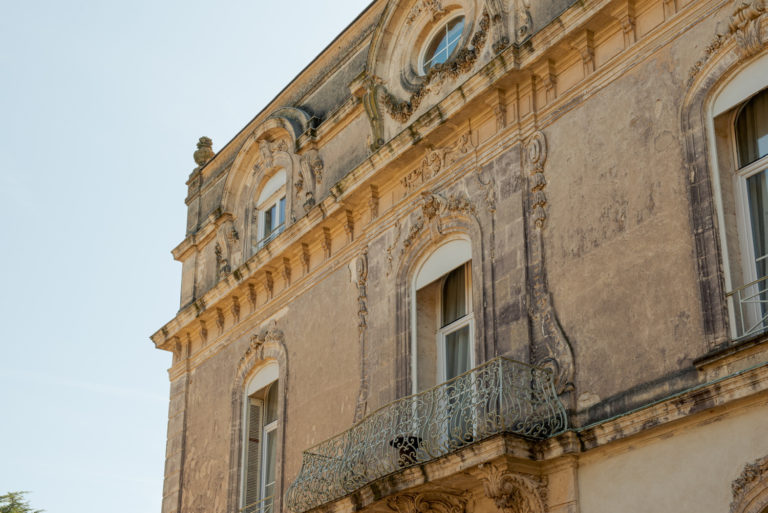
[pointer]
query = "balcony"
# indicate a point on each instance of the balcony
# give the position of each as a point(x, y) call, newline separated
point(749, 304)
point(501, 396)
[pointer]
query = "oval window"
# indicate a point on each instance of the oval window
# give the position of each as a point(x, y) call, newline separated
point(443, 43)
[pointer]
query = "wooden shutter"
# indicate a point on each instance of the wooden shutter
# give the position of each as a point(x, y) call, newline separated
point(253, 455)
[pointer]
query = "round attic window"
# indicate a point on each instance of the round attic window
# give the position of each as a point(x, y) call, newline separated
point(443, 43)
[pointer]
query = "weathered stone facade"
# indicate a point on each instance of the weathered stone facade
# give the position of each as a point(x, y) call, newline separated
point(580, 153)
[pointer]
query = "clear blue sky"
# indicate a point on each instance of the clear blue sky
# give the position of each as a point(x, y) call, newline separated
point(101, 105)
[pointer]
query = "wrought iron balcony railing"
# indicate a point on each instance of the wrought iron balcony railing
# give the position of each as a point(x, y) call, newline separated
point(750, 306)
point(501, 396)
point(265, 505)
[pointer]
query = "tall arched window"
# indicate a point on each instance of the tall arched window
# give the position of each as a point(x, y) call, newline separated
point(269, 209)
point(260, 420)
point(443, 334)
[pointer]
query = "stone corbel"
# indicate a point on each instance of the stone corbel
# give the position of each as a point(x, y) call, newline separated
point(269, 284)
point(547, 78)
point(366, 88)
point(349, 225)
point(625, 15)
point(286, 271)
point(326, 242)
point(235, 309)
point(584, 43)
point(373, 202)
point(499, 105)
point(513, 492)
point(305, 257)
point(252, 295)
point(220, 320)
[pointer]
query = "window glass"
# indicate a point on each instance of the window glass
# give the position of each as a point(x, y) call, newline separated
point(757, 194)
point(454, 296)
point(271, 413)
point(752, 130)
point(444, 43)
point(457, 357)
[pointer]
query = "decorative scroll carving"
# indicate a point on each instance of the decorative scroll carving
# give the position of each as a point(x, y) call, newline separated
point(550, 347)
point(523, 20)
point(391, 247)
point(433, 208)
point(401, 110)
point(235, 309)
point(204, 152)
point(752, 479)
point(513, 492)
point(434, 7)
point(269, 333)
point(443, 501)
point(222, 263)
point(361, 280)
point(435, 161)
point(743, 28)
point(498, 14)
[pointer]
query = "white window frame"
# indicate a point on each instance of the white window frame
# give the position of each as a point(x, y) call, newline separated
point(739, 89)
point(430, 38)
point(467, 320)
point(266, 377)
point(271, 194)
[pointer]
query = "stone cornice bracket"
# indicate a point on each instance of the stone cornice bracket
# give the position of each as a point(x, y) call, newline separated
point(366, 88)
point(624, 13)
point(437, 501)
point(750, 489)
point(513, 492)
point(550, 347)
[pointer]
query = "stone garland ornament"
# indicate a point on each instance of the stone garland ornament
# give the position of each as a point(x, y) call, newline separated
point(743, 28)
point(401, 110)
point(550, 347)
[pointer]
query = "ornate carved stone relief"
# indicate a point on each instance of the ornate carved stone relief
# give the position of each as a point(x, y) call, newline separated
point(498, 13)
point(222, 263)
point(401, 110)
point(743, 28)
point(433, 7)
point(269, 284)
point(442, 501)
point(550, 347)
point(433, 207)
point(361, 281)
point(436, 160)
point(235, 309)
point(220, 321)
point(513, 492)
point(252, 295)
point(305, 257)
point(750, 489)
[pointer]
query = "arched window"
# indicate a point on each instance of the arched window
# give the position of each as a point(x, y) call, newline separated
point(739, 130)
point(443, 334)
point(260, 420)
point(269, 209)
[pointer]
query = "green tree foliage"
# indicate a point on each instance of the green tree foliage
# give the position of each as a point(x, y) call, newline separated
point(13, 502)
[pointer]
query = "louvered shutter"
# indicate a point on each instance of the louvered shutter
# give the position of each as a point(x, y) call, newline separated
point(253, 456)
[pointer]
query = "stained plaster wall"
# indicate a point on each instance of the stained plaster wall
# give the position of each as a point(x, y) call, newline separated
point(320, 332)
point(619, 244)
point(685, 470)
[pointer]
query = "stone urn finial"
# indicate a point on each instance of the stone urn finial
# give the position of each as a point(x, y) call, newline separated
point(204, 152)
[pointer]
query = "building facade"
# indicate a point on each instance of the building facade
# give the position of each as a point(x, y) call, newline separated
point(485, 255)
